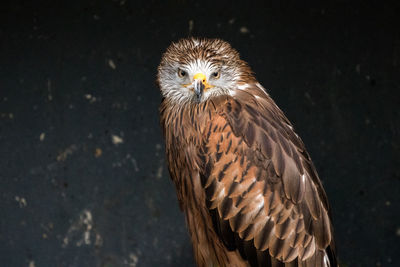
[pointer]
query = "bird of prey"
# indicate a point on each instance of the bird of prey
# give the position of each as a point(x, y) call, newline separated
point(248, 188)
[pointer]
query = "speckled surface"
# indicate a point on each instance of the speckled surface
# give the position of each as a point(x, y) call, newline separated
point(82, 171)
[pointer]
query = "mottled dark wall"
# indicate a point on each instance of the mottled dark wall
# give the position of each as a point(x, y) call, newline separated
point(82, 171)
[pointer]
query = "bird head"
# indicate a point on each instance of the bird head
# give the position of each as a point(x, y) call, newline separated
point(193, 70)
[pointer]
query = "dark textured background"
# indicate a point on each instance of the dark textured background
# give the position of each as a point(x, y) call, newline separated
point(75, 74)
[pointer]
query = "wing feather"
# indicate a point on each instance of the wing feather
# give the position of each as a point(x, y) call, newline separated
point(258, 177)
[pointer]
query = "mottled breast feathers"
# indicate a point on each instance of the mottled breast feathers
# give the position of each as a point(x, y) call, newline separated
point(260, 186)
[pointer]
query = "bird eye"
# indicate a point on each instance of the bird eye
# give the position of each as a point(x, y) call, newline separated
point(181, 73)
point(216, 74)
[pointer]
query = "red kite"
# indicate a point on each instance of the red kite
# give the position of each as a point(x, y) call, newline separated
point(248, 188)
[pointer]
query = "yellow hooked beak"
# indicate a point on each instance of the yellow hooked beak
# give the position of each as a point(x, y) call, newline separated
point(200, 84)
point(202, 78)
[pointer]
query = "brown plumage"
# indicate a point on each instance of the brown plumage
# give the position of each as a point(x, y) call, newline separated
point(247, 186)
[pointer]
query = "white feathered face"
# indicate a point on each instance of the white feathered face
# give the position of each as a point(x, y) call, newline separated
point(193, 70)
